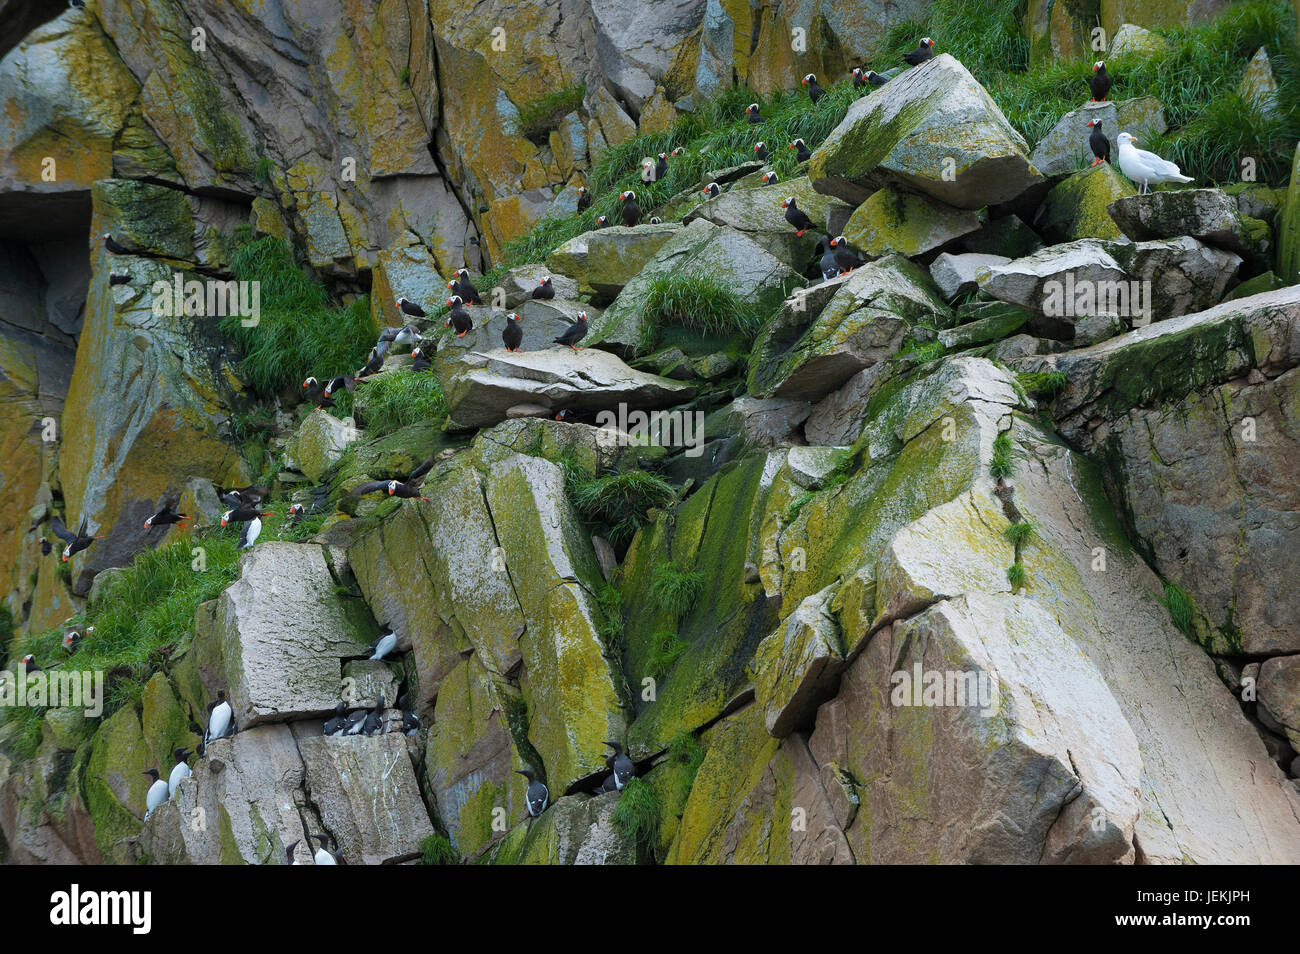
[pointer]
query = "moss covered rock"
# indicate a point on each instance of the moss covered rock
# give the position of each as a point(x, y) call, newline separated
point(893, 221)
point(1078, 207)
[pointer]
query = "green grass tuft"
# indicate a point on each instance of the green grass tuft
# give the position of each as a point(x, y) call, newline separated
point(666, 647)
point(675, 591)
point(1043, 383)
point(438, 850)
point(697, 302)
point(262, 169)
point(685, 750)
point(397, 399)
point(1002, 464)
point(618, 502)
point(1181, 609)
point(638, 813)
point(1017, 575)
point(1017, 534)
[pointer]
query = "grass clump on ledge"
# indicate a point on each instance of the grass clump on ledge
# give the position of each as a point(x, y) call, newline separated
point(438, 850)
point(1017, 575)
point(301, 332)
point(1042, 383)
point(637, 814)
point(1002, 465)
point(697, 302)
point(666, 647)
point(539, 116)
point(685, 752)
point(1181, 609)
point(396, 399)
point(674, 590)
point(620, 502)
point(1020, 533)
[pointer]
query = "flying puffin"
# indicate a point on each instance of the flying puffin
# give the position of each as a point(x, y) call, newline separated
point(751, 111)
point(761, 150)
point(247, 497)
point(242, 514)
point(76, 542)
point(921, 53)
point(113, 246)
point(165, 514)
point(512, 335)
point(537, 795)
point(221, 720)
point(801, 153)
point(631, 211)
point(712, 190)
point(409, 307)
point(323, 855)
point(1099, 83)
point(419, 362)
point(1146, 168)
point(179, 771)
point(584, 198)
point(829, 267)
point(601, 221)
point(795, 216)
point(622, 766)
point(458, 318)
point(398, 488)
point(157, 793)
point(574, 333)
point(401, 337)
point(844, 256)
point(769, 178)
point(1098, 143)
point(544, 291)
point(815, 92)
point(463, 287)
point(374, 364)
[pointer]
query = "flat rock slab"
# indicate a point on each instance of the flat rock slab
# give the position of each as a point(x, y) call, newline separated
point(1210, 215)
point(284, 633)
point(367, 795)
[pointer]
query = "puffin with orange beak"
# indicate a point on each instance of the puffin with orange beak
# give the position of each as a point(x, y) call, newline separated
point(458, 318)
point(815, 92)
point(544, 291)
point(463, 287)
point(76, 542)
point(801, 152)
point(165, 514)
point(512, 335)
point(631, 211)
point(398, 488)
point(796, 216)
point(1099, 83)
point(584, 198)
point(921, 53)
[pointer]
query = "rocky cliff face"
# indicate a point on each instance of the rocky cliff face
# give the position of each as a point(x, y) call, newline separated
point(905, 563)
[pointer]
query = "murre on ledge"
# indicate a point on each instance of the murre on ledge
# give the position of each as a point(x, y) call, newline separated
point(623, 767)
point(323, 855)
point(381, 647)
point(335, 725)
point(221, 721)
point(157, 793)
point(538, 796)
point(180, 770)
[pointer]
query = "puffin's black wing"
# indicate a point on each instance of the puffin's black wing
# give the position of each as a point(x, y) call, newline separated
point(81, 527)
point(420, 471)
point(62, 532)
point(369, 487)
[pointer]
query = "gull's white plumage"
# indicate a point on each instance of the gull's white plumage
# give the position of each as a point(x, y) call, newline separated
point(1146, 168)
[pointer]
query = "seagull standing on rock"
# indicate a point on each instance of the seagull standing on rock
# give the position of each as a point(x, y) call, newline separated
point(1146, 168)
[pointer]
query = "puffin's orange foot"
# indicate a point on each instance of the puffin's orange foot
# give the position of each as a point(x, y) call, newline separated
point(462, 334)
point(800, 233)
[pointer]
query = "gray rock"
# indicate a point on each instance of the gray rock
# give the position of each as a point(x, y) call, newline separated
point(955, 274)
point(799, 665)
point(1096, 328)
point(1065, 147)
point(1207, 214)
point(758, 422)
point(519, 283)
point(319, 444)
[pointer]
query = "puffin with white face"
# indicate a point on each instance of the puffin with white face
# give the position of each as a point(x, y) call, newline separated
point(1099, 83)
point(753, 115)
point(512, 336)
point(631, 211)
point(815, 92)
point(801, 152)
point(76, 542)
point(921, 53)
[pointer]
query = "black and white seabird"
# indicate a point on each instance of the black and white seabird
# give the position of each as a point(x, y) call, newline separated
point(655, 220)
point(381, 647)
point(712, 190)
point(323, 855)
point(29, 664)
point(829, 267)
point(180, 770)
point(544, 291)
point(623, 767)
point(291, 853)
point(221, 721)
point(921, 53)
point(114, 246)
point(243, 497)
point(419, 361)
point(249, 533)
point(354, 722)
point(760, 149)
point(631, 211)
point(46, 549)
point(72, 639)
point(406, 489)
point(119, 279)
point(165, 514)
point(242, 514)
point(795, 216)
point(537, 796)
point(410, 308)
point(753, 115)
point(512, 336)
point(601, 221)
point(464, 288)
point(815, 92)
point(679, 151)
point(845, 258)
point(801, 153)
point(574, 333)
point(1099, 83)
point(334, 725)
point(661, 166)
point(76, 542)
point(584, 198)
point(157, 793)
point(458, 319)
point(1098, 143)
point(769, 178)
point(375, 717)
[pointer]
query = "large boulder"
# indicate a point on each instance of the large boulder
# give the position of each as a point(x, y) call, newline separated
point(757, 212)
point(1065, 148)
point(699, 249)
point(1078, 207)
point(904, 223)
point(319, 443)
point(1210, 215)
point(935, 130)
point(866, 322)
point(616, 254)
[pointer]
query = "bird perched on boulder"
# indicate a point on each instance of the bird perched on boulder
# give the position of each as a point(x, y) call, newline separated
point(631, 211)
point(458, 319)
point(753, 115)
point(537, 796)
point(760, 149)
point(584, 198)
point(221, 721)
point(76, 542)
point(544, 291)
point(624, 768)
point(180, 770)
point(801, 152)
point(769, 178)
point(921, 53)
point(410, 308)
point(157, 793)
point(601, 221)
point(335, 724)
point(462, 286)
point(815, 92)
point(114, 247)
point(1099, 83)
point(574, 333)
point(1146, 168)
point(795, 216)
point(1098, 142)
point(712, 190)
point(419, 361)
point(165, 515)
point(323, 855)
point(249, 533)
point(405, 489)
point(844, 256)
point(829, 267)
point(512, 336)
point(375, 717)
point(862, 79)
